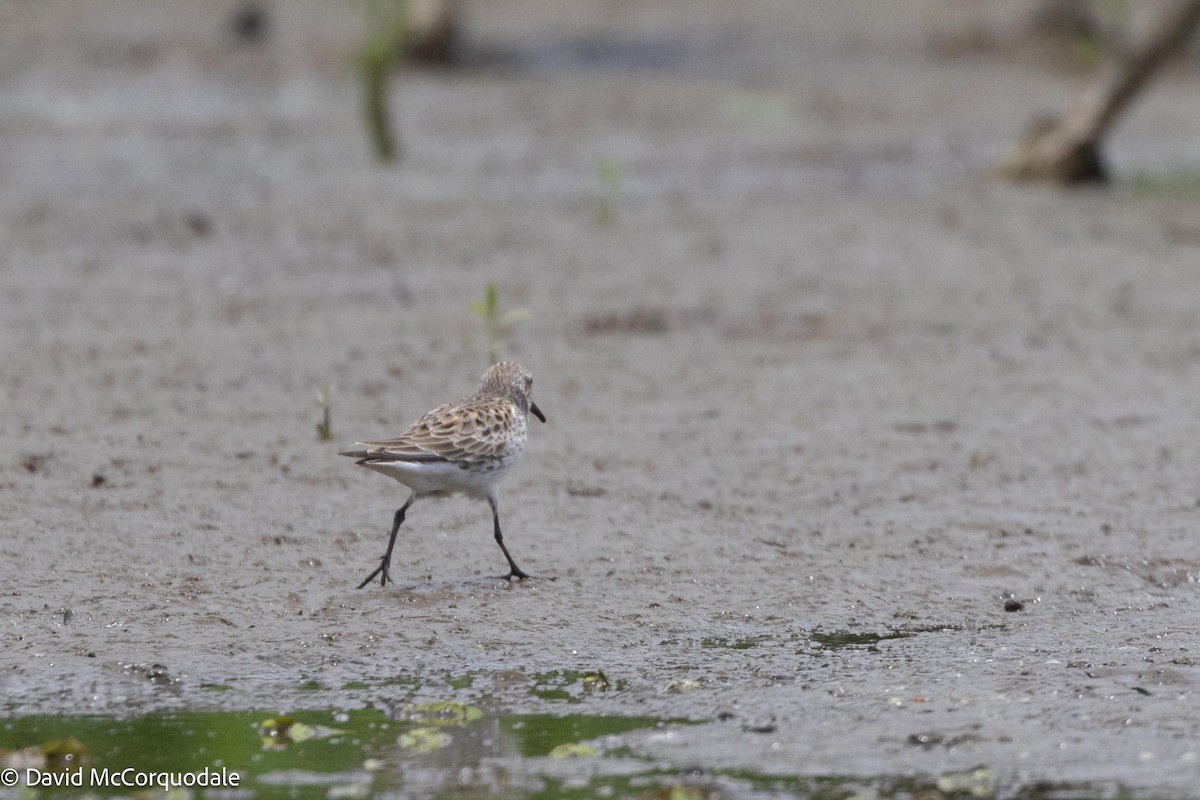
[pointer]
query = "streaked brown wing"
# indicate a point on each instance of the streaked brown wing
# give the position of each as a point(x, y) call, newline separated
point(464, 431)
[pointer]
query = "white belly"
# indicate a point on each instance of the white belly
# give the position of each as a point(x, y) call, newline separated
point(442, 477)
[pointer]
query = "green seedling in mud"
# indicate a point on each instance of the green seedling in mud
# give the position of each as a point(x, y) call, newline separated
point(387, 38)
point(325, 401)
point(497, 326)
point(608, 195)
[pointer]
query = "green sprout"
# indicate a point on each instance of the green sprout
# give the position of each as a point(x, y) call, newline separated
point(325, 401)
point(384, 49)
point(608, 195)
point(497, 325)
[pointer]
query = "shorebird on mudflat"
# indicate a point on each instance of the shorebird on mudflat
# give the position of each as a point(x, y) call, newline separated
point(465, 446)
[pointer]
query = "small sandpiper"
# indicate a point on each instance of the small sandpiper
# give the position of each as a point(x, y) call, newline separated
point(466, 446)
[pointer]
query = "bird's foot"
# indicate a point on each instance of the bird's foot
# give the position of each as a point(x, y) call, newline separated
point(381, 571)
point(521, 575)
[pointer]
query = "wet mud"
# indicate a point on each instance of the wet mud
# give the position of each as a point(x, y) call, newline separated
point(864, 473)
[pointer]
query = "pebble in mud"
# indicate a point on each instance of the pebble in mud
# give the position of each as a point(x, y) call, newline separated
point(1012, 604)
point(760, 725)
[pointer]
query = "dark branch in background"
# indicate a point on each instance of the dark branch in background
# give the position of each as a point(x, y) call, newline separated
point(1066, 149)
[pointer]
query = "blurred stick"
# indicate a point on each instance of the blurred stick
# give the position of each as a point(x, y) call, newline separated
point(1066, 150)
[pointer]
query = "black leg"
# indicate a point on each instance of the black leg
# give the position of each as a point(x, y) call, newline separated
point(516, 572)
point(385, 562)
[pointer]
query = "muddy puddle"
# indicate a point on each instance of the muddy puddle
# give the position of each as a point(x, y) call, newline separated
point(437, 749)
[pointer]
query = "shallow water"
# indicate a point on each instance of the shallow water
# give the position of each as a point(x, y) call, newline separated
point(436, 749)
point(314, 753)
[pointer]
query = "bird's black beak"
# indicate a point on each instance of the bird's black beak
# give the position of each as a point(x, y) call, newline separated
point(537, 412)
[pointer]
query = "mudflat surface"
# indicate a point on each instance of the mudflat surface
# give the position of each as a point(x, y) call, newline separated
point(822, 396)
